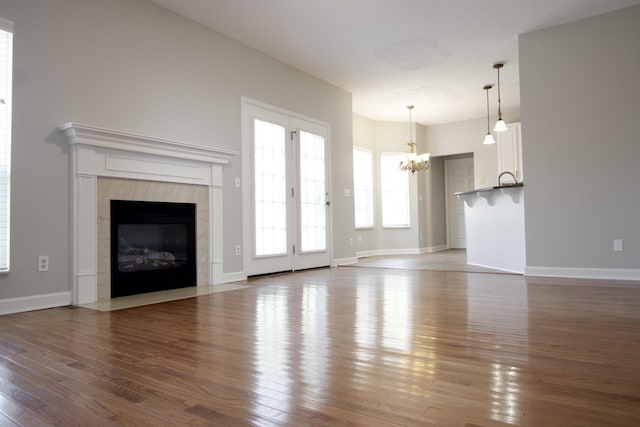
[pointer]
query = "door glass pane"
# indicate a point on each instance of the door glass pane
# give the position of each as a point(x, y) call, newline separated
point(270, 189)
point(313, 211)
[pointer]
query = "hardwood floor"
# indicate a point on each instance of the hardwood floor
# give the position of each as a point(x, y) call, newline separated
point(447, 260)
point(336, 347)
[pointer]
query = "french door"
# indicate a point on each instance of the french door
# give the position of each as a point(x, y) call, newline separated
point(288, 221)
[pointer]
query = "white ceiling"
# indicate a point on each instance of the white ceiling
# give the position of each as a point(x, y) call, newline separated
point(434, 54)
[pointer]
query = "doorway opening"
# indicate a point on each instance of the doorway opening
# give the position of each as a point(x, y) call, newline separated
point(459, 177)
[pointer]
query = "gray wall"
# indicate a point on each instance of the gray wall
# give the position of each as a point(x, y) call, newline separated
point(580, 105)
point(422, 179)
point(364, 137)
point(392, 137)
point(132, 66)
point(436, 205)
point(380, 137)
point(467, 137)
point(441, 140)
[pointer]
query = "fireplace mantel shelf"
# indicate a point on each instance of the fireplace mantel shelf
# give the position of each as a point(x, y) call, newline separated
point(105, 138)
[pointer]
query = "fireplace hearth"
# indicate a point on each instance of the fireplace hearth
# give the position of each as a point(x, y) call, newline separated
point(153, 246)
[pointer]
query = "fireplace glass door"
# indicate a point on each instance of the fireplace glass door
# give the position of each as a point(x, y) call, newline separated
point(152, 246)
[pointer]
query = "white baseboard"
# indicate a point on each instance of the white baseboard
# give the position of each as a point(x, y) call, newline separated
point(431, 249)
point(383, 252)
point(365, 254)
point(344, 261)
point(35, 302)
point(237, 276)
point(584, 273)
point(493, 267)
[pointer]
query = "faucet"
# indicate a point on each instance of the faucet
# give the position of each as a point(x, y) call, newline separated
point(515, 181)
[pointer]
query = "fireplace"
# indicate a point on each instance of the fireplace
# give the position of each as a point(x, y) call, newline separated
point(153, 246)
point(111, 165)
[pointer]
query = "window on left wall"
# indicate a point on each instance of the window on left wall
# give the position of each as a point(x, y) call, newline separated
point(363, 187)
point(6, 102)
point(394, 188)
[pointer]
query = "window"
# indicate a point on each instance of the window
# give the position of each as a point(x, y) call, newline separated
point(363, 187)
point(6, 71)
point(394, 185)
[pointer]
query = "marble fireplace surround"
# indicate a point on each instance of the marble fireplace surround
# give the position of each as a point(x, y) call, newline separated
point(100, 156)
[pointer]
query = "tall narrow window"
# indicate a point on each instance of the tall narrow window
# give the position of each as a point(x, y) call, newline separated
point(363, 187)
point(6, 72)
point(394, 185)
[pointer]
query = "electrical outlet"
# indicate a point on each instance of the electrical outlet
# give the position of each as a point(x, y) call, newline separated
point(350, 242)
point(43, 263)
point(238, 250)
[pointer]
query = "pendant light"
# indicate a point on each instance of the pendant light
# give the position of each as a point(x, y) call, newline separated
point(413, 161)
point(501, 126)
point(488, 139)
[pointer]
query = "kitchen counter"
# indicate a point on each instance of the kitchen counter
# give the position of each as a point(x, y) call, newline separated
point(497, 187)
point(494, 227)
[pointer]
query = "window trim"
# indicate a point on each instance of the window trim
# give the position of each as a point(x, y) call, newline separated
point(408, 193)
point(6, 129)
point(372, 206)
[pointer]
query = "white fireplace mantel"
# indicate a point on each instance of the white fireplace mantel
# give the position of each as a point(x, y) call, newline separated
point(97, 152)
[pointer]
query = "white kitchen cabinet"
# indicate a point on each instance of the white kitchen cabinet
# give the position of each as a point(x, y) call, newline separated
point(510, 152)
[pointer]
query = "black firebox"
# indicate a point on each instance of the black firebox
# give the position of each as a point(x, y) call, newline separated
point(153, 246)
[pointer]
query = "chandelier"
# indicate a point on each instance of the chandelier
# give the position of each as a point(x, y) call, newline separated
point(414, 162)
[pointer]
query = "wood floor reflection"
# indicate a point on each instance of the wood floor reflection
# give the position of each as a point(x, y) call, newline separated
point(334, 347)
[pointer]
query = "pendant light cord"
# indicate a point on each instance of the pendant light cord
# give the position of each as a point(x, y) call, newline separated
point(410, 107)
point(488, 121)
point(411, 143)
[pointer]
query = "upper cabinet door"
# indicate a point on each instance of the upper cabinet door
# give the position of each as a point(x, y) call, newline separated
point(510, 152)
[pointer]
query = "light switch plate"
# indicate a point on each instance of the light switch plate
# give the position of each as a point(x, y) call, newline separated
point(617, 245)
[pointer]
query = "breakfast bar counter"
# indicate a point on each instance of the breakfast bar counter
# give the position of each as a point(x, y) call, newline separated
point(494, 227)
